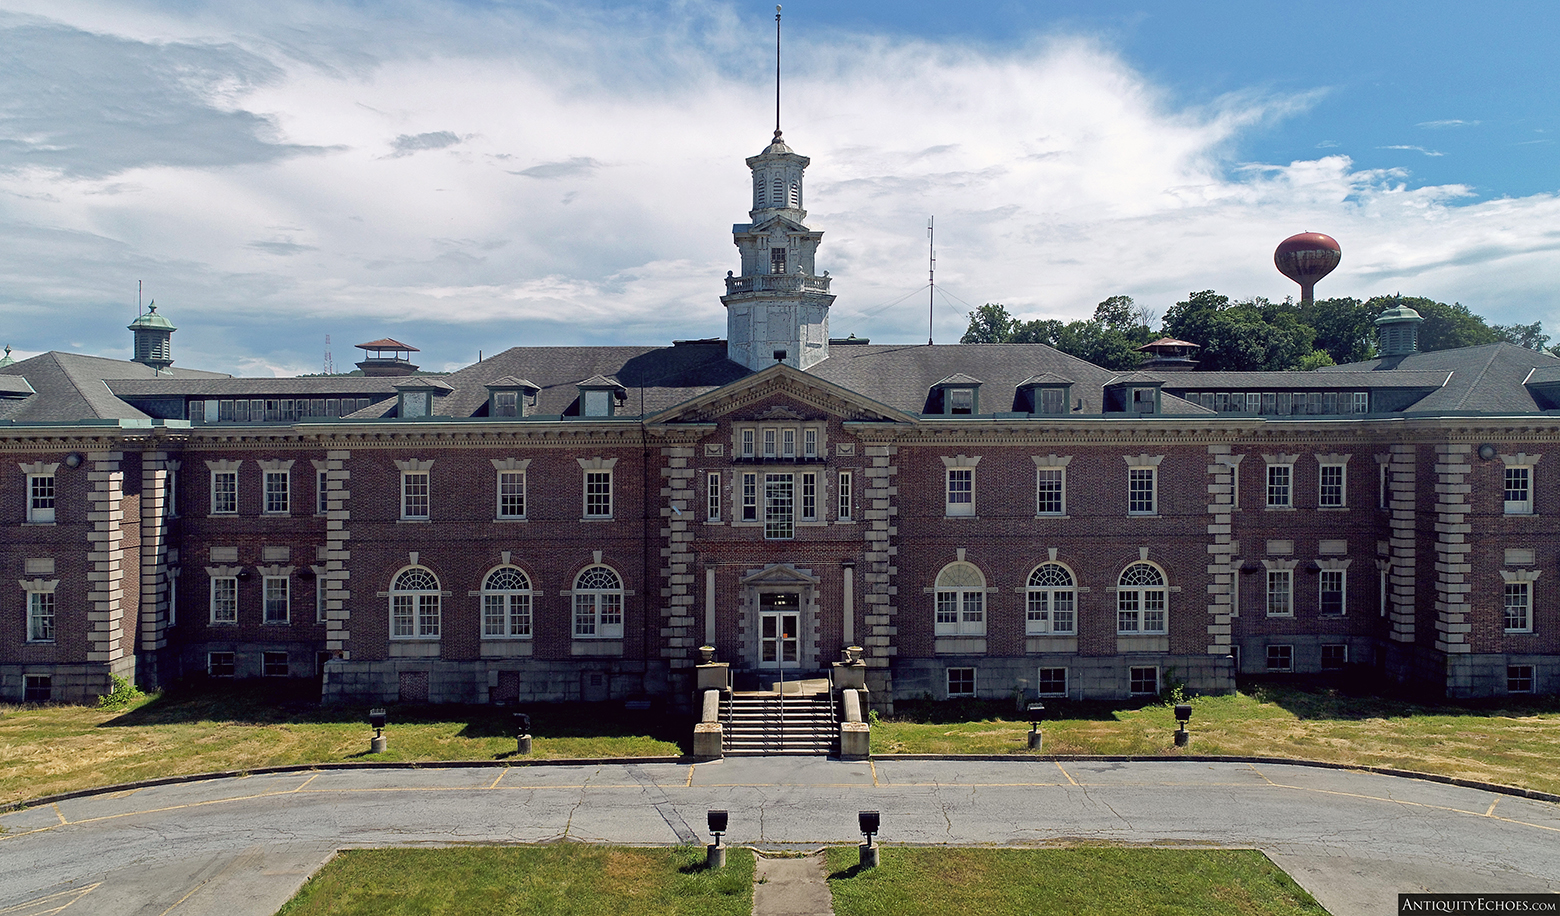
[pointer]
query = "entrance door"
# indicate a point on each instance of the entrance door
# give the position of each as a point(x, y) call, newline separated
point(779, 626)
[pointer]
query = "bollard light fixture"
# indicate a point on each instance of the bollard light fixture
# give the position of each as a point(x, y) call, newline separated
point(1183, 713)
point(1036, 715)
point(376, 721)
point(717, 823)
point(522, 723)
point(869, 822)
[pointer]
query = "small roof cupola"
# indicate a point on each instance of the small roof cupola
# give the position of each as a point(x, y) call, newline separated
point(153, 339)
point(386, 358)
point(1169, 355)
point(1397, 331)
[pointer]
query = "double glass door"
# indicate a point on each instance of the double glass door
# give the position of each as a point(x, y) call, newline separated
point(779, 626)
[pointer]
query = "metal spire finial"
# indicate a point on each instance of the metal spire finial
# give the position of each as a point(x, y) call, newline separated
point(777, 71)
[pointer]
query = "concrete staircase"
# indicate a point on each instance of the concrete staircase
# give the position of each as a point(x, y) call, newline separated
point(769, 722)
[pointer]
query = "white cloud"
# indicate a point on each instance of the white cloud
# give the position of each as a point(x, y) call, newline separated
point(1416, 149)
point(492, 178)
point(1442, 125)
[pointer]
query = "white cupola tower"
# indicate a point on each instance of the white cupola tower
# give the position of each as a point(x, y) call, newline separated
point(778, 303)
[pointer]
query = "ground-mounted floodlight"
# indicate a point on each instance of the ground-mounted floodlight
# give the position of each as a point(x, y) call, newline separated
point(376, 721)
point(715, 854)
point(522, 733)
point(1036, 716)
point(1183, 715)
point(869, 821)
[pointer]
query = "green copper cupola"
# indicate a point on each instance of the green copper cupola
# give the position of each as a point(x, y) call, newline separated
point(153, 339)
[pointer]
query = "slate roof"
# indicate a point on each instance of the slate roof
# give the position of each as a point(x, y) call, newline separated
point(1331, 380)
point(1483, 379)
point(227, 386)
point(71, 387)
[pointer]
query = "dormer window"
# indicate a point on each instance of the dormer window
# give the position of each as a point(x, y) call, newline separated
point(415, 397)
point(511, 398)
point(959, 396)
point(600, 396)
point(1045, 394)
point(1051, 400)
point(414, 404)
point(1143, 400)
point(506, 404)
point(598, 404)
point(1137, 393)
point(961, 400)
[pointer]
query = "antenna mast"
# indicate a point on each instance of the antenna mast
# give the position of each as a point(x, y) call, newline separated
point(777, 71)
point(330, 364)
point(931, 273)
point(138, 298)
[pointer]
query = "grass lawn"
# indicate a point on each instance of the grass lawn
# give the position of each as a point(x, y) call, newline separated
point(1080, 882)
point(44, 750)
point(1512, 742)
point(558, 880)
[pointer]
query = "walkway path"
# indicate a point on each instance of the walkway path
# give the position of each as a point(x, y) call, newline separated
point(241, 846)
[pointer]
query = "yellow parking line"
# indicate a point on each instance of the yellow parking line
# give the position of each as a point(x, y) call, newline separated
point(501, 774)
point(689, 783)
point(873, 765)
point(1065, 773)
point(306, 782)
point(74, 895)
point(1491, 812)
point(58, 813)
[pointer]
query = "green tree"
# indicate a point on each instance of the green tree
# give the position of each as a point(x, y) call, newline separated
point(1445, 327)
point(990, 323)
point(1241, 336)
point(1344, 328)
point(1531, 336)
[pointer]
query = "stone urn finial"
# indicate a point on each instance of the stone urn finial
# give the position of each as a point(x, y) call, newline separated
point(706, 654)
point(853, 655)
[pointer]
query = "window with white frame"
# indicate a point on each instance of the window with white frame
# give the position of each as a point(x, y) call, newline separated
point(961, 682)
point(321, 492)
point(1360, 402)
point(961, 601)
point(511, 494)
point(40, 498)
point(712, 497)
point(1332, 493)
point(1143, 681)
point(277, 594)
point(748, 447)
point(1050, 491)
point(506, 604)
point(1280, 483)
point(40, 612)
point(224, 492)
point(1280, 592)
point(1280, 658)
point(1518, 617)
point(1333, 592)
point(415, 487)
point(320, 590)
point(415, 604)
point(598, 604)
point(598, 494)
point(809, 497)
point(276, 492)
point(809, 443)
point(1052, 600)
point(1143, 485)
point(1051, 682)
point(1519, 489)
point(844, 511)
point(750, 497)
point(1141, 601)
point(771, 439)
point(224, 599)
point(960, 491)
point(787, 443)
point(779, 507)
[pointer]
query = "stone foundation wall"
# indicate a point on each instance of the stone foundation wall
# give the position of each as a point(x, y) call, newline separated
point(1088, 677)
point(70, 683)
point(489, 681)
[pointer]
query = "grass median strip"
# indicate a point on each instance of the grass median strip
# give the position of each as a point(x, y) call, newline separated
point(563, 879)
point(1088, 881)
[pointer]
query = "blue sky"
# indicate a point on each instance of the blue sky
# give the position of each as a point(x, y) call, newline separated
point(472, 176)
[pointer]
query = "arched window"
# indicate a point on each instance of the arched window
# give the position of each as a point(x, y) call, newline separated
point(1052, 601)
point(414, 604)
point(796, 194)
point(1140, 600)
point(598, 604)
point(758, 192)
point(506, 604)
point(961, 601)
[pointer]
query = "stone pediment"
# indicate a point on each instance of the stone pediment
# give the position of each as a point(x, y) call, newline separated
point(812, 397)
point(768, 225)
point(780, 575)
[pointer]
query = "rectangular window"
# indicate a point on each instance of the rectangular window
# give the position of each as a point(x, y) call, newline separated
point(961, 612)
point(809, 443)
point(1381, 487)
point(1049, 492)
point(809, 497)
point(511, 494)
point(750, 497)
point(770, 442)
point(273, 664)
point(779, 507)
point(1234, 486)
point(1279, 478)
point(1143, 681)
point(506, 615)
point(747, 443)
point(777, 260)
point(220, 664)
point(788, 443)
point(1519, 490)
point(40, 498)
point(40, 617)
point(1332, 493)
point(1519, 678)
point(598, 403)
point(712, 498)
point(171, 494)
point(1361, 402)
point(1053, 401)
point(961, 682)
point(1329, 402)
point(1052, 682)
point(847, 480)
point(961, 400)
point(321, 492)
point(37, 688)
point(224, 599)
point(1049, 611)
point(1142, 487)
point(277, 598)
point(224, 492)
point(414, 494)
point(1518, 604)
point(506, 403)
point(1280, 658)
point(598, 494)
point(1280, 583)
point(1332, 592)
point(319, 600)
point(276, 486)
point(961, 491)
point(1334, 656)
